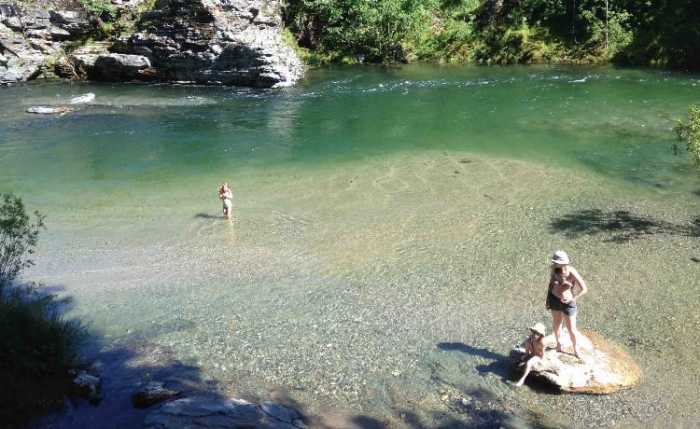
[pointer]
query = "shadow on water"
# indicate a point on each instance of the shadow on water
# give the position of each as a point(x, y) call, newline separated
point(619, 226)
point(122, 369)
point(125, 366)
point(486, 408)
point(499, 365)
point(206, 216)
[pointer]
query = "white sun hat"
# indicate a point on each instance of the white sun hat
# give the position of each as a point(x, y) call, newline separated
point(560, 257)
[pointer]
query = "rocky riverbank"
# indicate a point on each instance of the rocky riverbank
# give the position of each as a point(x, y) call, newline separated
point(207, 42)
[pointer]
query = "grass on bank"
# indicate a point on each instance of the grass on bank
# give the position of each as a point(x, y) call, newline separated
point(37, 346)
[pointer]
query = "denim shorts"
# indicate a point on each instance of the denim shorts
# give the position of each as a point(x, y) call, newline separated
point(556, 305)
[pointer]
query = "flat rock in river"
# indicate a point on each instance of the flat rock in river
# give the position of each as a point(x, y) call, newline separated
point(48, 110)
point(603, 367)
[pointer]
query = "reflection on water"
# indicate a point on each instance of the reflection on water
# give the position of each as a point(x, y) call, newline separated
point(391, 233)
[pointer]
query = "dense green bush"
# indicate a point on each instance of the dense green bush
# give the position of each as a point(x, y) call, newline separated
point(37, 346)
point(666, 32)
point(370, 30)
point(447, 33)
point(503, 31)
point(18, 236)
point(688, 132)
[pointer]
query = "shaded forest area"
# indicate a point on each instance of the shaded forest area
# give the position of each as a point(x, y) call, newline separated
point(635, 32)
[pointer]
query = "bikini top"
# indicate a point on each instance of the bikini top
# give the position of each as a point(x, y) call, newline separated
point(567, 283)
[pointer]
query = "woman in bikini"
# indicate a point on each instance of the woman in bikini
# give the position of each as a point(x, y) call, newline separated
point(561, 299)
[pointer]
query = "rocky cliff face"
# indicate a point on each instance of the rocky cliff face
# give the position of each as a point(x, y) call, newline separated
point(228, 42)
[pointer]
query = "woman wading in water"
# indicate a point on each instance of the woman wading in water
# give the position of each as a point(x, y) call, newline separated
point(561, 299)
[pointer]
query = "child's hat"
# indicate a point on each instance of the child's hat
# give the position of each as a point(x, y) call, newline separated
point(539, 328)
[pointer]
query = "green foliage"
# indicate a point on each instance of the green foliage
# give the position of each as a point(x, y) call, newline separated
point(107, 29)
point(371, 30)
point(446, 34)
point(688, 132)
point(507, 31)
point(37, 347)
point(665, 32)
point(18, 237)
point(608, 29)
point(620, 34)
point(37, 342)
point(543, 12)
point(448, 40)
point(98, 7)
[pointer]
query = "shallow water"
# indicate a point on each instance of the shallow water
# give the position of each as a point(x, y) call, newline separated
point(391, 235)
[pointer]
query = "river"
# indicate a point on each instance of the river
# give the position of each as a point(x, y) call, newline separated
point(390, 243)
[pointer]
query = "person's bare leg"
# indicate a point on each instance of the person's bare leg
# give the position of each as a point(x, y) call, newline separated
point(528, 366)
point(573, 333)
point(557, 317)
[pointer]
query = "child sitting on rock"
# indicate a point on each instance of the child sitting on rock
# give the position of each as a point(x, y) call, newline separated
point(534, 350)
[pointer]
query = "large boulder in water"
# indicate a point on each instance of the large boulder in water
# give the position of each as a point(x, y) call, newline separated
point(603, 367)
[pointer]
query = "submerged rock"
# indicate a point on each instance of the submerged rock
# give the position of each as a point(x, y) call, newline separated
point(81, 99)
point(222, 413)
point(603, 367)
point(48, 110)
point(88, 387)
point(152, 393)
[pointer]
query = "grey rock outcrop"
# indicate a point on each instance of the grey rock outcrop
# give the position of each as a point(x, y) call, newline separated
point(226, 42)
point(25, 39)
point(603, 367)
point(215, 42)
point(223, 414)
point(111, 67)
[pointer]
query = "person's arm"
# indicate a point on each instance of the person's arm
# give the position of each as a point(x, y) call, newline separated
point(549, 290)
point(581, 283)
point(540, 347)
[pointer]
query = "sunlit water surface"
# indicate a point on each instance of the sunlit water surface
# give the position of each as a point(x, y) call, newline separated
point(391, 236)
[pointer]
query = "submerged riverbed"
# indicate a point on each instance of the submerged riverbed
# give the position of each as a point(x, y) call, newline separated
point(391, 237)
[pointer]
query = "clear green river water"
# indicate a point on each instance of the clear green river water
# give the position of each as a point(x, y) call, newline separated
point(390, 243)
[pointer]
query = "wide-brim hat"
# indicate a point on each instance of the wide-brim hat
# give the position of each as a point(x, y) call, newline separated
point(560, 257)
point(539, 328)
